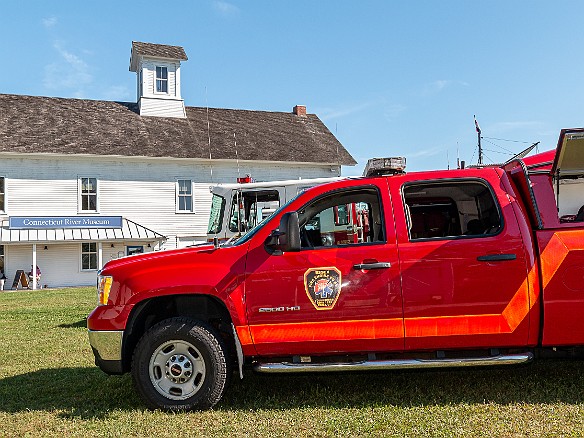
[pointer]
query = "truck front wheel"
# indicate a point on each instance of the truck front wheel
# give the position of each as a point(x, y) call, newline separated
point(180, 365)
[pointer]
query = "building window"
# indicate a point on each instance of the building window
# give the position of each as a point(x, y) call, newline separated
point(131, 250)
point(89, 256)
point(2, 194)
point(88, 194)
point(161, 79)
point(184, 196)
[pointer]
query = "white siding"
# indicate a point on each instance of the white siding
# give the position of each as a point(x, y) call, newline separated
point(159, 107)
point(149, 74)
point(142, 190)
point(59, 264)
point(172, 80)
point(176, 81)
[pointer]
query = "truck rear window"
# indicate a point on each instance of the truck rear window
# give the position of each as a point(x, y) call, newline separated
point(451, 209)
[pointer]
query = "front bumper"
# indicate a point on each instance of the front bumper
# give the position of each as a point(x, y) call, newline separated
point(107, 349)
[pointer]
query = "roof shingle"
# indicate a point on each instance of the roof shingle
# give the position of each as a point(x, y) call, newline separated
point(31, 124)
point(155, 51)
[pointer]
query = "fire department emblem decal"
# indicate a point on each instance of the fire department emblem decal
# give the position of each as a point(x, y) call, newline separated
point(323, 287)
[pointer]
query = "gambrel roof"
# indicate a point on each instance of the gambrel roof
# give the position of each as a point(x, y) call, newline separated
point(31, 124)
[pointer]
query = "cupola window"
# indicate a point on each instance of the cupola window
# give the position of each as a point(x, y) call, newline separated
point(161, 79)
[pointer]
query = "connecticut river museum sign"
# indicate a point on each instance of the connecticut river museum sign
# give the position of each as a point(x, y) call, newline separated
point(53, 222)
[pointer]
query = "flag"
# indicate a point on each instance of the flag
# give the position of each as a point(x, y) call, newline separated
point(478, 128)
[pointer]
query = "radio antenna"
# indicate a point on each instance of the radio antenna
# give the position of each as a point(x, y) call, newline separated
point(209, 136)
point(215, 238)
point(236, 155)
point(338, 155)
point(239, 195)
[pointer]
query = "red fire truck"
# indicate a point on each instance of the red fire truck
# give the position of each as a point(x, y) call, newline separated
point(455, 268)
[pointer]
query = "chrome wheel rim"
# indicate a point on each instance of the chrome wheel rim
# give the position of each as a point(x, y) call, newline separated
point(177, 370)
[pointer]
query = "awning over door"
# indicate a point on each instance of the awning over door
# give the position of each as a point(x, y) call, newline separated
point(128, 231)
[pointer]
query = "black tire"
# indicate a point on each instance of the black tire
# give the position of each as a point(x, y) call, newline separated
point(181, 365)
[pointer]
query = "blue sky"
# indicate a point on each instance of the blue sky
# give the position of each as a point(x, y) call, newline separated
point(388, 78)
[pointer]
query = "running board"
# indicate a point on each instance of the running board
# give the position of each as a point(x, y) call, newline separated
point(367, 365)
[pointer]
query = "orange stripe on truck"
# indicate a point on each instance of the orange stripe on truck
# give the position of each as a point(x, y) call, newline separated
point(328, 331)
point(514, 313)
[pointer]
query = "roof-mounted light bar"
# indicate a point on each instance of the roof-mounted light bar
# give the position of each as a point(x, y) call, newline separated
point(385, 166)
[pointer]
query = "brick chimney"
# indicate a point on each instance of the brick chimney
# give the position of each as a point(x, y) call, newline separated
point(299, 110)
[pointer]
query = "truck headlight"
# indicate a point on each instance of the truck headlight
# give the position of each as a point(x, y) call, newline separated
point(104, 284)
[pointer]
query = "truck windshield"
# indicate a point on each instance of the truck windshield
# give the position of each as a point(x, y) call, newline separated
point(216, 217)
point(251, 207)
point(260, 225)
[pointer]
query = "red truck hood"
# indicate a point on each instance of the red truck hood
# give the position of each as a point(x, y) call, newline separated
point(155, 255)
point(201, 269)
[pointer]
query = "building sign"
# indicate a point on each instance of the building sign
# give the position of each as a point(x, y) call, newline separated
point(53, 222)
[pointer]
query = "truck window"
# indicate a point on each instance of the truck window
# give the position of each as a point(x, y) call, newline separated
point(216, 217)
point(451, 209)
point(342, 214)
point(248, 208)
point(342, 218)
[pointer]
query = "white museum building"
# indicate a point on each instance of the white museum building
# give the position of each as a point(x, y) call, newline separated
point(86, 181)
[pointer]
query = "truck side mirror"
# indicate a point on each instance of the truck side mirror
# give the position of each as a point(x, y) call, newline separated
point(287, 236)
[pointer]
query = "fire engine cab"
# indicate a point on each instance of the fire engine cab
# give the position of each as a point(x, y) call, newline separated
point(237, 208)
point(394, 270)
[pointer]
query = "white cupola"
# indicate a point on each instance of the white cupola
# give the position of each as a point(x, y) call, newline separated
point(157, 68)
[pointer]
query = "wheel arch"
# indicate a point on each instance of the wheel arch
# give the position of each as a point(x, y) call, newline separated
point(150, 312)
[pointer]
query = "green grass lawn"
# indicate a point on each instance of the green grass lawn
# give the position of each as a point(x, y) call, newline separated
point(50, 387)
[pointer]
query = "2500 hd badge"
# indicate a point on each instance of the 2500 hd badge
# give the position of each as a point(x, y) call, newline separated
point(278, 309)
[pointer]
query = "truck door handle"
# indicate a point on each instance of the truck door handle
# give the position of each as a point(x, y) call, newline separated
point(378, 265)
point(496, 257)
